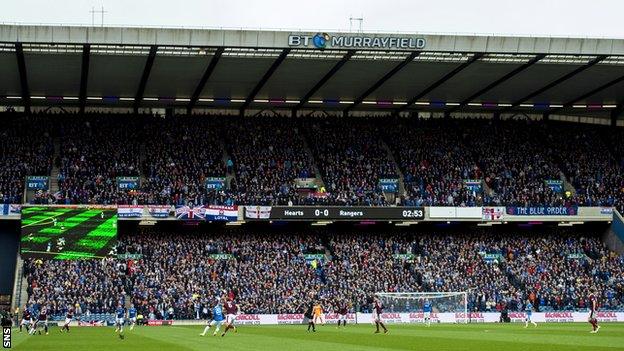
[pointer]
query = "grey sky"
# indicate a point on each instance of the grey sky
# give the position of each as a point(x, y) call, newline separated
point(593, 18)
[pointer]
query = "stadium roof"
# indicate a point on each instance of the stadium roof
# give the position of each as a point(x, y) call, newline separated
point(244, 69)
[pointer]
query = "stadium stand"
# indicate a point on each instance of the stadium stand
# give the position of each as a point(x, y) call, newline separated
point(351, 158)
point(268, 154)
point(91, 158)
point(274, 271)
point(435, 160)
point(26, 149)
point(362, 172)
point(94, 284)
point(179, 155)
point(516, 163)
point(590, 166)
point(512, 159)
point(549, 267)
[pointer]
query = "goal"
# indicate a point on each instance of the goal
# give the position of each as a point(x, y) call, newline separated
point(455, 303)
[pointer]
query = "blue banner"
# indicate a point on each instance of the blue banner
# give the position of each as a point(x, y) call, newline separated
point(129, 211)
point(555, 185)
point(128, 183)
point(473, 184)
point(37, 183)
point(389, 185)
point(491, 257)
point(216, 183)
point(543, 211)
point(8, 209)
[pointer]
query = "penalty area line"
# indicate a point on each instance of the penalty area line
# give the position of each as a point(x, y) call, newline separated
point(41, 220)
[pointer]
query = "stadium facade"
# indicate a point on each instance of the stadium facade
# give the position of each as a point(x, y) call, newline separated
point(145, 71)
point(299, 73)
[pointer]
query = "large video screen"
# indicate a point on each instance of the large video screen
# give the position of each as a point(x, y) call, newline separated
point(66, 233)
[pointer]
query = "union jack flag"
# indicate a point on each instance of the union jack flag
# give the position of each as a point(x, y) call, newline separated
point(186, 213)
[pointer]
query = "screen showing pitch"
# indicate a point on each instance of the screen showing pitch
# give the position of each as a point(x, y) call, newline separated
point(65, 233)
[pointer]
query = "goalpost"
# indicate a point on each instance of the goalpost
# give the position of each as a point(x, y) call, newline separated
point(441, 302)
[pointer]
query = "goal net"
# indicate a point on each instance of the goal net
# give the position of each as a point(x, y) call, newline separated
point(455, 303)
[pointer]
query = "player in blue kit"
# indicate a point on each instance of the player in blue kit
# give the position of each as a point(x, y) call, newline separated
point(427, 309)
point(120, 318)
point(132, 314)
point(217, 319)
point(529, 311)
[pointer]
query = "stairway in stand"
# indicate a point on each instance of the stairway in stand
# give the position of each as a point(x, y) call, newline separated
point(20, 292)
point(54, 186)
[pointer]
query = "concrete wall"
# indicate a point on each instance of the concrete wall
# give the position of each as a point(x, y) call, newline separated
point(614, 237)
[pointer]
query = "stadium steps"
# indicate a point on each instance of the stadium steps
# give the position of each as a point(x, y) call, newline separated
point(486, 188)
point(397, 169)
point(511, 277)
point(54, 186)
point(319, 180)
point(142, 158)
point(20, 292)
point(231, 175)
point(567, 186)
point(329, 250)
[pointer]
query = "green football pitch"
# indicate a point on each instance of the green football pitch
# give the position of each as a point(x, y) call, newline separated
point(481, 337)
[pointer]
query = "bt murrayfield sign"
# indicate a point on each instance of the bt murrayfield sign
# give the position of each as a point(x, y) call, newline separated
point(324, 40)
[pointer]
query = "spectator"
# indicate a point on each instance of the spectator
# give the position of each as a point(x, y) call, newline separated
point(275, 271)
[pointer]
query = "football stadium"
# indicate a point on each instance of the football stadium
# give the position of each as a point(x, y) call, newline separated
point(198, 189)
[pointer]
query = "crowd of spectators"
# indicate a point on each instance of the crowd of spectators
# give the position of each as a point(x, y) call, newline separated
point(562, 272)
point(268, 155)
point(26, 149)
point(362, 265)
point(590, 165)
point(351, 157)
point(180, 154)
point(614, 139)
point(517, 160)
point(616, 147)
point(174, 275)
point(436, 163)
point(96, 285)
point(94, 151)
point(439, 162)
point(267, 272)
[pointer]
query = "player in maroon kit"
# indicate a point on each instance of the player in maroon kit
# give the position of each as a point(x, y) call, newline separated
point(42, 321)
point(231, 311)
point(593, 309)
point(343, 309)
point(27, 320)
point(377, 311)
point(68, 318)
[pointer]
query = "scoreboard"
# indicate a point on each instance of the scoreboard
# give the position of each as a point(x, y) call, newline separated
point(343, 213)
